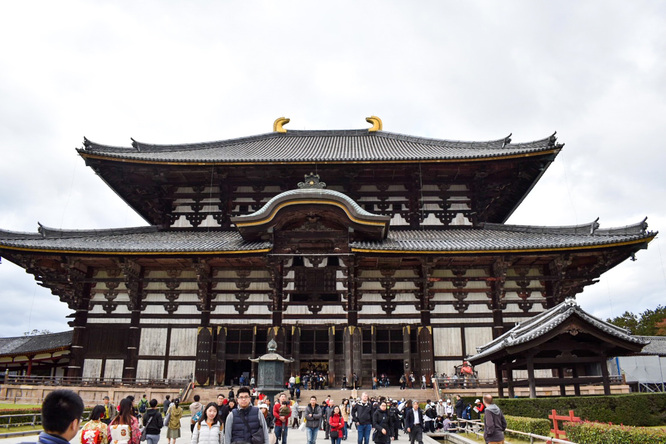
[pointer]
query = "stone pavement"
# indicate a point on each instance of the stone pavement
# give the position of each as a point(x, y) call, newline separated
point(295, 436)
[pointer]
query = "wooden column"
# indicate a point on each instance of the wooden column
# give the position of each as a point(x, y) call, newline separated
point(134, 282)
point(563, 387)
point(351, 348)
point(221, 356)
point(509, 380)
point(576, 383)
point(352, 293)
point(497, 304)
point(426, 357)
point(276, 268)
point(500, 382)
point(296, 349)
point(530, 377)
point(605, 375)
point(331, 356)
point(407, 350)
point(202, 370)
point(78, 299)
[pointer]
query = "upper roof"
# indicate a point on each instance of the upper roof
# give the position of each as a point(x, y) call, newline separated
point(33, 344)
point(325, 146)
point(545, 322)
point(488, 239)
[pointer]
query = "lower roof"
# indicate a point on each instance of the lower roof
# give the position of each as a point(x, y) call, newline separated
point(23, 345)
point(490, 238)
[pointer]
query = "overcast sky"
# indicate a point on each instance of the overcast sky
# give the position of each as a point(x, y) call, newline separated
point(181, 72)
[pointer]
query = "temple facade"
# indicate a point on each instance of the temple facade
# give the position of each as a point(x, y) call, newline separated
point(358, 251)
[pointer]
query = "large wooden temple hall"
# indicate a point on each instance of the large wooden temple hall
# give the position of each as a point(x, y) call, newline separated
point(359, 251)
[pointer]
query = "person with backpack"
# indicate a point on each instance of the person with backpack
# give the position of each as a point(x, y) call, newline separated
point(143, 404)
point(153, 422)
point(195, 408)
point(208, 429)
point(429, 417)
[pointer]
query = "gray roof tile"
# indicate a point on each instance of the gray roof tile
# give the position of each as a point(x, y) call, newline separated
point(321, 146)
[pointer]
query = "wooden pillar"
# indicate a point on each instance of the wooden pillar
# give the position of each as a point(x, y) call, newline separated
point(202, 367)
point(563, 387)
point(351, 348)
point(79, 301)
point(373, 356)
point(498, 376)
point(331, 356)
point(276, 268)
point(426, 358)
point(497, 305)
point(352, 293)
point(296, 349)
point(509, 380)
point(530, 377)
point(134, 274)
point(221, 356)
point(605, 375)
point(576, 383)
point(407, 350)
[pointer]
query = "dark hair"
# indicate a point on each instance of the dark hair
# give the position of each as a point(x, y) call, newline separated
point(243, 390)
point(204, 417)
point(126, 413)
point(197, 398)
point(167, 397)
point(97, 412)
point(59, 409)
point(221, 395)
point(231, 401)
point(131, 398)
point(176, 402)
point(313, 397)
point(153, 403)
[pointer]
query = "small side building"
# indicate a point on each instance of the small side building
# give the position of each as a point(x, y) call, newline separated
point(44, 355)
point(574, 345)
point(645, 371)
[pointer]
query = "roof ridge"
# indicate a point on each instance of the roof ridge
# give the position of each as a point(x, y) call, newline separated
point(49, 232)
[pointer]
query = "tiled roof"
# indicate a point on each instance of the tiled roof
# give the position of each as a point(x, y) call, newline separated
point(32, 344)
point(546, 322)
point(495, 237)
point(321, 146)
point(492, 237)
point(657, 345)
point(130, 240)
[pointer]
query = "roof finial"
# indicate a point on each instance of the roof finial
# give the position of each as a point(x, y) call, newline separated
point(376, 123)
point(277, 125)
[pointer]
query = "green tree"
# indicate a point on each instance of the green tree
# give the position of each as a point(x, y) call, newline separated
point(648, 323)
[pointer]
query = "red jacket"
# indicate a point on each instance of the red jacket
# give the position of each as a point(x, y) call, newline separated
point(337, 423)
point(276, 415)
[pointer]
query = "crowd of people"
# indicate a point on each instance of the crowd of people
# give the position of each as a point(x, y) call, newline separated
point(247, 417)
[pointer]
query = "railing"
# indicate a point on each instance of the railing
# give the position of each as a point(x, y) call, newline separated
point(97, 382)
point(27, 419)
point(475, 426)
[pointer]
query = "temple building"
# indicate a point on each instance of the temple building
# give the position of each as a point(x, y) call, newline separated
point(358, 251)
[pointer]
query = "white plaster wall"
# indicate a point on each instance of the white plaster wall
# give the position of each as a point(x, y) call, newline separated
point(476, 337)
point(183, 342)
point(153, 342)
point(149, 369)
point(113, 369)
point(92, 368)
point(446, 341)
point(180, 369)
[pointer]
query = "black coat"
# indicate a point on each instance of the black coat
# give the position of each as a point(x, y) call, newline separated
point(409, 418)
point(381, 421)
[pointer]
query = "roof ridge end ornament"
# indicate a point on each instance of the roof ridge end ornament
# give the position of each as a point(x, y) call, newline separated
point(507, 140)
point(279, 122)
point(312, 181)
point(376, 124)
point(594, 226)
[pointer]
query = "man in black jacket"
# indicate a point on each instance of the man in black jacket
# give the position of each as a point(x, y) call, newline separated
point(460, 406)
point(414, 423)
point(362, 417)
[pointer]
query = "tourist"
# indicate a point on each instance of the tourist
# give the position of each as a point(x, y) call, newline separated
point(345, 410)
point(61, 417)
point(195, 408)
point(143, 404)
point(95, 431)
point(336, 425)
point(295, 414)
point(494, 423)
point(268, 416)
point(312, 420)
point(460, 406)
point(448, 408)
point(125, 426)
point(382, 425)
point(110, 411)
point(167, 403)
point(429, 416)
point(414, 423)
point(175, 413)
point(245, 423)
point(394, 418)
point(222, 408)
point(281, 414)
point(153, 422)
point(208, 428)
point(362, 417)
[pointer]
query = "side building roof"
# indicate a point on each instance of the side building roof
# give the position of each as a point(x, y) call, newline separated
point(22, 345)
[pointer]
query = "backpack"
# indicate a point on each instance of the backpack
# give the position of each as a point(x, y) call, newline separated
point(430, 412)
point(142, 405)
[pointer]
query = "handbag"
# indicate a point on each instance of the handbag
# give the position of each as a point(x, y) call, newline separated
point(167, 418)
point(334, 434)
point(144, 431)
